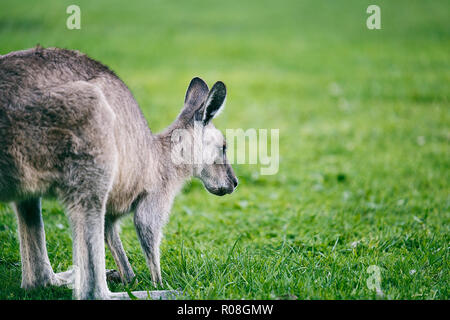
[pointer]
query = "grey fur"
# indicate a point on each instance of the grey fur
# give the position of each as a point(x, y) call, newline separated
point(70, 128)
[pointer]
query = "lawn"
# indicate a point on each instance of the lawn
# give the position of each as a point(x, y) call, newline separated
point(364, 121)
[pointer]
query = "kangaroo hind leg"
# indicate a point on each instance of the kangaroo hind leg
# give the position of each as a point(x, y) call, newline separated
point(36, 268)
point(86, 206)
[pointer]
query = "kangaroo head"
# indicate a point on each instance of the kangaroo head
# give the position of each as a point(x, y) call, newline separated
point(206, 144)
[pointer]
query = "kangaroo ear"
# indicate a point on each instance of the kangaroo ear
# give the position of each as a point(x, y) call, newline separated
point(196, 93)
point(215, 101)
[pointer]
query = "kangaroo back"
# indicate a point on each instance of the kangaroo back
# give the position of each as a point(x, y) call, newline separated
point(58, 105)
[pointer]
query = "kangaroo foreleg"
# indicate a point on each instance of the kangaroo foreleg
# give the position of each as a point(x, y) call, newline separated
point(115, 246)
point(149, 220)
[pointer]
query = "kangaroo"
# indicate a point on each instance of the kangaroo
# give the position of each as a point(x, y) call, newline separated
point(71, 129)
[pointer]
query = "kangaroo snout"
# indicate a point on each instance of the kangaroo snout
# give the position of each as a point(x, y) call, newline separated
point(221, 190)
point(232, 184)
point(235, 182)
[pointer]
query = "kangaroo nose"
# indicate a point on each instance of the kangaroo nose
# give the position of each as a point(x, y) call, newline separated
point(235, 182)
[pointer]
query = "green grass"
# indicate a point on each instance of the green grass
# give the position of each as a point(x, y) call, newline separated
point(364, 142)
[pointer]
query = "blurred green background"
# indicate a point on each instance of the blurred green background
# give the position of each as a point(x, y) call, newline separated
point(364, 142)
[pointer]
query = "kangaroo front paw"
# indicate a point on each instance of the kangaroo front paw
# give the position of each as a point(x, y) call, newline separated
point(113, 275)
